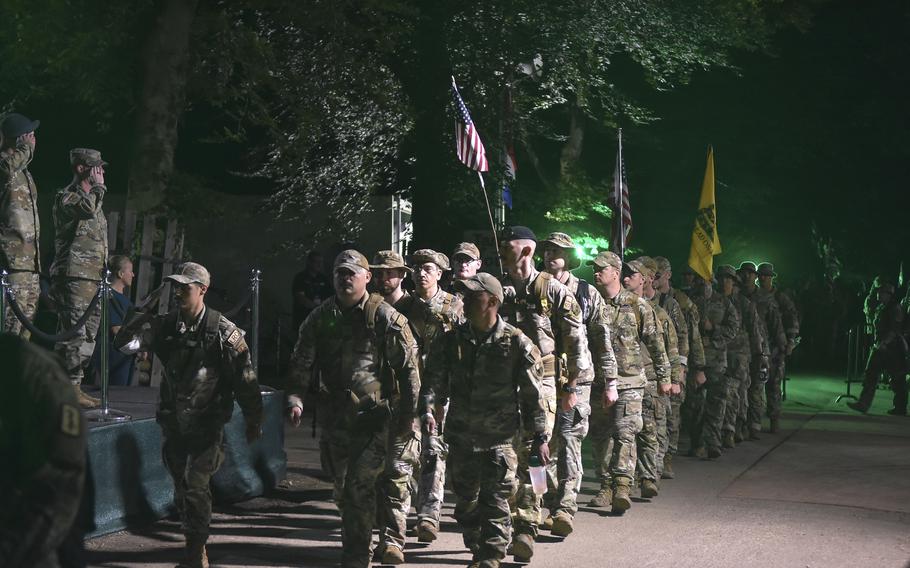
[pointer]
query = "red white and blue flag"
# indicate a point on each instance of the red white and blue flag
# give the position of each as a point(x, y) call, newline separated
point(622, 210)
point(467, 139)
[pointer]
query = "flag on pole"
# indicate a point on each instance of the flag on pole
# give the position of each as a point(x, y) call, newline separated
point(705, 241)
point(511, 168)
point(467, 140)
point(622, 211)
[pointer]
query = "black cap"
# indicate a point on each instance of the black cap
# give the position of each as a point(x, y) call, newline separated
point(15, 125)
point(517, 233)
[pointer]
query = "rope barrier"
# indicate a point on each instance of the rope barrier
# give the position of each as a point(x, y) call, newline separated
point(68, 334)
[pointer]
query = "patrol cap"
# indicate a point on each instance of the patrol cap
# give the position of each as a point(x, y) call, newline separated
point(467, 249)
point(423, 256)
point(352, 260)
point(650, 264)
point(563, 241)
point(15, 125)
point(517, 233)
point(663, 264)
point(86, 157)
point(389, 259)
point(766, 269)
point(747, 267)
point(482, 281)
point(638, 266)
point(604, 259)
point(725, 271)
point(191, 273)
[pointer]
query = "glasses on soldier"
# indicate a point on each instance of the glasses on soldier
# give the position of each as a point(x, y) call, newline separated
point(428, 268)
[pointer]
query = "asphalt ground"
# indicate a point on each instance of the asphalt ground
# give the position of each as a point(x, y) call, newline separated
point(831, 489)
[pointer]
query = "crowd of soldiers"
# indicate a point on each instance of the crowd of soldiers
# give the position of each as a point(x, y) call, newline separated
point(493, 378)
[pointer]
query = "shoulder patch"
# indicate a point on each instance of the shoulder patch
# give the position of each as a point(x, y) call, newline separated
point(69, 198)
point(232, 335)
point(70, 423)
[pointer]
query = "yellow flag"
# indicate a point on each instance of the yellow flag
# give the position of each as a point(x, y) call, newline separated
point(705, 242)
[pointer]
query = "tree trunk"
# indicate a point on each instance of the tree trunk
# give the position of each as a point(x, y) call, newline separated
point(571, 151)
point(165, 58)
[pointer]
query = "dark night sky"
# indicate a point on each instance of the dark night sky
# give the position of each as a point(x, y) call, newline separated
point(813, 133)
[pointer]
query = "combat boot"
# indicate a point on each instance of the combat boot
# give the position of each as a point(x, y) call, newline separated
point(753, 435)
point(858, 406)
point(700, 453)
point(426, 531)
point(85, 400)
point(621, 499)
point(738, 437)
point(668, 468)
point(195, 555)
point(898, 412)
point(546, 524)
point(562, 524)
point(392, 555)
point(522, 547)
point(729, 442)
point(648, 488)
point(603, 498)
point(775, 425)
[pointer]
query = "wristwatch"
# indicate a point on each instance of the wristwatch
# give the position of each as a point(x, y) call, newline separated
point(570, 389)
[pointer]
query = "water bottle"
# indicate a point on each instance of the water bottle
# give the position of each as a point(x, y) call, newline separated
point(538, 475)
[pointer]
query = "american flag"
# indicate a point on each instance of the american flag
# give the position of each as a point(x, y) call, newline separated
point(467, 139)
point(622, 212)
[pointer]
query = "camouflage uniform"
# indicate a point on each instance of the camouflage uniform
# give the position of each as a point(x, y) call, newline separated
point(888, 355)
point(657, 444)
point(494, 385)
point(81, 253)
point(633, 326)
point(43, 436)
point(207, 364)
point(707, 414)
point(362, 364)
point(548, 313)
point(19, 232)
point(778, 342)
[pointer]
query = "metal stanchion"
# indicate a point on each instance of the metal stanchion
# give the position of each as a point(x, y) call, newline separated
point(4, 283)
point(105, 413)
point(852, 344)
point(255, 279)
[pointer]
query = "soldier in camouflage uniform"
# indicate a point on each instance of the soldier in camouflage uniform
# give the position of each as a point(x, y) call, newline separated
point(207, 364)
point(19, 223)
point(43, 438)
point(572, 427)
point(684, 315)
point(81, 254)
point(634, 329)
point(719, 325)
point(748, 345)
point(651, 442)
point(790, 320)
point(889, 353)
point(547, 312)
point(360, 358)
point(492, 375)
point(466, 261)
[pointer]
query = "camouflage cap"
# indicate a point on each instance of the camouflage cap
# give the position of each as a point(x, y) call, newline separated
point(663, 264)
point(766, 269)
point(191, 273)
point(639, 266)
point(650, 264)
point(747, 267)
point(467, 249)
point(725, 271)
point(15, 125)
point(389, 259)
point(423, 256)
point(563, 241)
point(352, 260)
point(604, 259)
point(86, 157)
point(482, 281)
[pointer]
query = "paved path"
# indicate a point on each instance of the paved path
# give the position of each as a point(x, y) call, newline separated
point(832, 489)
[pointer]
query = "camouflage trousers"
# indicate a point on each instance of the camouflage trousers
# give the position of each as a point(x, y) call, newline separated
point(706, 411)
point(663, 433)
point(674, 420)
point(776, 375)
point(527, 504)
point(431, 486)
point(613, 432)
point(192, 459)
point(73, 296)
point(402, 463)
point(737, 391)
point(565, 451)
point(483, 482)
point(25, 288)
point(652, 412)
point(756, 395)
point(355, 459)
point(888, 361)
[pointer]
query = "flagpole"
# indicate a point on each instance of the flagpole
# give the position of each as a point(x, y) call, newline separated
point(486, 199)
point(620, 202)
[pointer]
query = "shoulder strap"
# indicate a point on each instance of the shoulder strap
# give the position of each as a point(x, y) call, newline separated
point(541, 287)
point(212, 319)
point(371, 309)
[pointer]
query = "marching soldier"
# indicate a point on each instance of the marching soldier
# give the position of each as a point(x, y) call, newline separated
point(790, 320)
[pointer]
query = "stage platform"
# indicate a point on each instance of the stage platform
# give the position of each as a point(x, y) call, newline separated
point(129, 485)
